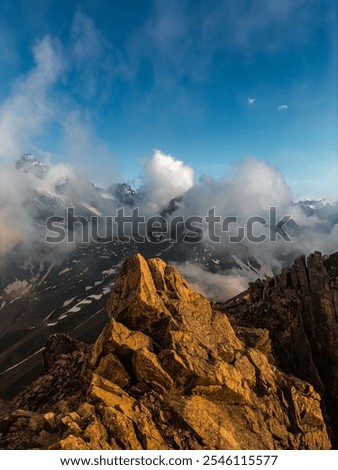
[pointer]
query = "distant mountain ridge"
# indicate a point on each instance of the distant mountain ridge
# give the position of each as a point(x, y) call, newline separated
point(323, 209)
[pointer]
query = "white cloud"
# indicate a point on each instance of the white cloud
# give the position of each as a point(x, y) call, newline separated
point(28, 109)
point(39, 102)
point(251, 100)
point(214, 286)
point(250, 189)
point(165, 178)
point(282, 107)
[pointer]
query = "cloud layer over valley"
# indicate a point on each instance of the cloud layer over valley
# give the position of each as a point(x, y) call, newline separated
point(31, 191)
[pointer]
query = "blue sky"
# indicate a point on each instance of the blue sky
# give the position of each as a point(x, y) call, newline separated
point(103, 83)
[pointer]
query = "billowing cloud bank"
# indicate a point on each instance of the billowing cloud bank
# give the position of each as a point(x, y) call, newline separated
point(31, 193)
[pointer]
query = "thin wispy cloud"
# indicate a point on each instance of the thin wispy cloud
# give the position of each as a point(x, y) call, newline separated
point(282, 107)
point(169, 41)
point(92, 56)
point(29, 108)
point(39, 100)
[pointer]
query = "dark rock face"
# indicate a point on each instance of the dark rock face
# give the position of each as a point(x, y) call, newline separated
point(60, 345)
point(167, 372)
point(299, 308)
point(123, 192)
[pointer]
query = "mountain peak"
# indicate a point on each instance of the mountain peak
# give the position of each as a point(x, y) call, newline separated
point(167, 372)
point(123, 192)
point(30, 164)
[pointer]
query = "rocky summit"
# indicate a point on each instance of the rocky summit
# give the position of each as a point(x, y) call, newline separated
point(169, 370)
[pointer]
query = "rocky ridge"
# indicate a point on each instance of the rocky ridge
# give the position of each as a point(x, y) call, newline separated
point(167, 372)
point(299, 309)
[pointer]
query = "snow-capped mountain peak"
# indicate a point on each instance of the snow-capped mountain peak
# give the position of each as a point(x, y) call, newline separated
point(30, 164)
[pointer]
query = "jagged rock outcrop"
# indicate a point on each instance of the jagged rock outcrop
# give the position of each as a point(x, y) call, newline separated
point(299, 309)
point(167, 372)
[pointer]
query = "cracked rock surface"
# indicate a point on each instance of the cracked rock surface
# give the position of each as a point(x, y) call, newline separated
point(167, 372)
